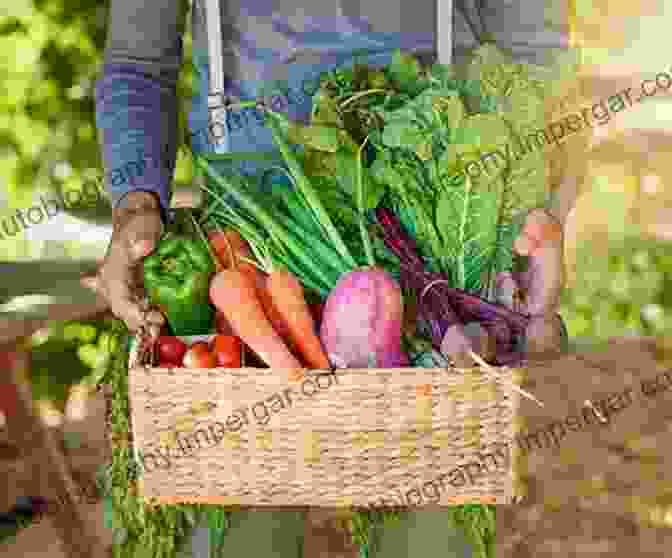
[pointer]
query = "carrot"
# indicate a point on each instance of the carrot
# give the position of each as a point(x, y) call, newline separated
point(229, 247)
point(274, 316)
point(288, 308)
point(234, 294)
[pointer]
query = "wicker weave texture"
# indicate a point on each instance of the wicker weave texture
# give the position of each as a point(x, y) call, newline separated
point(369, 437)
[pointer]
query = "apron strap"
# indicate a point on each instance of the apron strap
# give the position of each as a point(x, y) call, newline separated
point(444, 31)
point(217, 102)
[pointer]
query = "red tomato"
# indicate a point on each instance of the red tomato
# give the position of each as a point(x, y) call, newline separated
point(9, 396)
point(7, 360)
point(228, 350)
point(168, 365)
point(9, 399)
point(199, 355)
point(171, 349)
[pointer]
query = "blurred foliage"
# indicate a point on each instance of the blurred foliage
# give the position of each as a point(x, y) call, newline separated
point(51, 54)
point(625, 291)
point(67, 353)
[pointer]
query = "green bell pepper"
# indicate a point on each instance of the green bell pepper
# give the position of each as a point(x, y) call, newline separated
point(177, 279)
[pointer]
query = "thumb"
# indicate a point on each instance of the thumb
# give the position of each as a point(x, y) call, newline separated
point(142, 236)
point(141, 247)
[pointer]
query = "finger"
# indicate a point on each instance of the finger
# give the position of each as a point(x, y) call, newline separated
point(126, 304)
point(542, 283)
point(134, 315)
point(525, 245)
point(545, 280)
point(539, 227)
point(141, 235)
point(544, 336)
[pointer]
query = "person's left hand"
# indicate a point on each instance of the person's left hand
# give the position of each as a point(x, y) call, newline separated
point(537, 290)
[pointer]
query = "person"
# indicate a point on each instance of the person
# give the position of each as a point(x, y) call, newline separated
point(277, 49)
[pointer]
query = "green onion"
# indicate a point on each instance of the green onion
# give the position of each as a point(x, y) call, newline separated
point(306, 189)
point(361, 202)
point(272, 227)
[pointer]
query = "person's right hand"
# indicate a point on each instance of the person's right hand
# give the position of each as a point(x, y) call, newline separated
point(137, 227)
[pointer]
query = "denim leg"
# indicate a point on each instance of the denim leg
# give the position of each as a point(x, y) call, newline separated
point(261, 534)
point(428, 534)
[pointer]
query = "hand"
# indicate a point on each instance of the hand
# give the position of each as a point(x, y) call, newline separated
point(137, 228)
point(537, 290)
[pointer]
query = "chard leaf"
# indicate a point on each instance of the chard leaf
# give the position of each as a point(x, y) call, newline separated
point(525, 105)
point(384, 172)
point(492, 69)
point(424, 151)
point(405, 113)
point(451, 107)
point(401, 133)
point(346, 141)
point(375, 191)
point(346, 178)
point(345, 171)
point(405, 70)
point(484, 132)
point(319, 137)
point(467, 219)
point(450, 162)
point(326, 111)
point(318, 163)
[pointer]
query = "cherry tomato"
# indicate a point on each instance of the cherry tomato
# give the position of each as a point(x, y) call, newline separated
point(199, 355)
point(228, 351)
point(168, 365)
point(171, 349)
point(9, 399)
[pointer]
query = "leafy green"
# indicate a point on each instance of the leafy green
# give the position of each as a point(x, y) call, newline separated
point(467, 219)
point(450, 156)
point(405, 71)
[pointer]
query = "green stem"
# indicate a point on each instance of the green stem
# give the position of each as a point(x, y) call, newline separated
point(463, 226)
point(239, 156)
point(213, 259)
point(311, 197)
point(361, 201)
point(274, 229)
point(359, 95)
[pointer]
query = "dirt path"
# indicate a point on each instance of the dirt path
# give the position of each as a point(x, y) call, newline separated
point(606, 489)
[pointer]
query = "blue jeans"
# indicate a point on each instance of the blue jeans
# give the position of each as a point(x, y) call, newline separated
point(273, 534)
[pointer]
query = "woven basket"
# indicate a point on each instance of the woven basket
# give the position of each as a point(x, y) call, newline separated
point(347, 438)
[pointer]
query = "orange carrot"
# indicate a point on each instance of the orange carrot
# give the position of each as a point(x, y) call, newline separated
point(234, 294)
point(274, 316)
point(229, 246)
point(288, 308)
